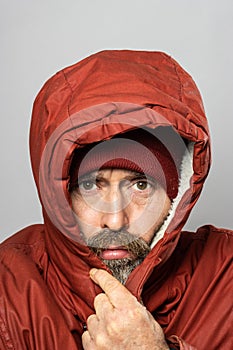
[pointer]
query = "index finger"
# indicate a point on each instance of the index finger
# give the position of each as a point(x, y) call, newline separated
point(118, 295)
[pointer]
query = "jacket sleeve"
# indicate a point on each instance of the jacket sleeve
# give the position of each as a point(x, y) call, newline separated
point(176, 343)
point(6, 342)
point(29, 316)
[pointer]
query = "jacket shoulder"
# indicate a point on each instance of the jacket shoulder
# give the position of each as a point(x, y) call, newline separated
point(29, 315)
point(207, 235)
point(28, 241)
point(21, 256)
point(27, 235)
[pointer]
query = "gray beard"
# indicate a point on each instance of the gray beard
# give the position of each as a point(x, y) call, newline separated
point(120, 268)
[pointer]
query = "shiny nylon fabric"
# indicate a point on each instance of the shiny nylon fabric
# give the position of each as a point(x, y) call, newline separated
point(103, 95)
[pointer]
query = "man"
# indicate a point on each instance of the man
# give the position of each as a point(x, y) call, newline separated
point(120, 151)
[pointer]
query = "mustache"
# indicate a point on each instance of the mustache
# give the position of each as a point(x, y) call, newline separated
point(107, 238)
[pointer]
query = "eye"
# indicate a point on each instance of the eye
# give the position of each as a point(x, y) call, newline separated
point(144, 187)
point(141, 185)
point(87, 185)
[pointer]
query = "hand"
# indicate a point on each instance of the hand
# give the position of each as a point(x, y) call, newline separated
point(120, 321)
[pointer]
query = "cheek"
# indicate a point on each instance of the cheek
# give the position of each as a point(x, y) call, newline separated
point(78, 206)
point(86, 217)
point(147, 218)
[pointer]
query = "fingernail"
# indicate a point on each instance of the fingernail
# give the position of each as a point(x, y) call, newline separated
point(93, 272)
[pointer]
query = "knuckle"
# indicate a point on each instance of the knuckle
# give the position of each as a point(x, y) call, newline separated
point(100, 298)
point(100, 341)
point(111, 285)
point(113, 328)
point(85, 335)
point(136, 313)
point(86, 339)
point(90, 320)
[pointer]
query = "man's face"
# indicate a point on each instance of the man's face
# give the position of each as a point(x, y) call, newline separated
point(118, 213)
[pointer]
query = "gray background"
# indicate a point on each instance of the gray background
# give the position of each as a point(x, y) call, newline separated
point(40, 37)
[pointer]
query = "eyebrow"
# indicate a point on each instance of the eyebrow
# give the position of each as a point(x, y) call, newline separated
point(90, 176)
point(98, 176)
point(135, 176)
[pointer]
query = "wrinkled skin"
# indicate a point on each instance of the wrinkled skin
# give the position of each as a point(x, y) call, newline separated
point(120, 321)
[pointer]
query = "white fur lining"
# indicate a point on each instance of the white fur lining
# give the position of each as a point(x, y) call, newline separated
point(186, 172)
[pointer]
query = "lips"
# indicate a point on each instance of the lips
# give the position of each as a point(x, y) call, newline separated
point(115, 253)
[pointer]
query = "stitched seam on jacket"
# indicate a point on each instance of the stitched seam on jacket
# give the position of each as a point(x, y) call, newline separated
point(179, 79)
point(25, 248)
point(223, 231)
point(71, 90)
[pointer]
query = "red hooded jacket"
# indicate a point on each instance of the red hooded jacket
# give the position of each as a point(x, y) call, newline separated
point(46, 294)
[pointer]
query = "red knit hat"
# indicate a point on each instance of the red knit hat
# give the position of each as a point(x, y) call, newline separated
point(139, 151)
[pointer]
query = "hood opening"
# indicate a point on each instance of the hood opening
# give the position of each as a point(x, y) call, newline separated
point(58, 153)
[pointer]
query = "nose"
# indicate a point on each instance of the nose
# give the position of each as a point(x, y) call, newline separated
point(115, 216)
